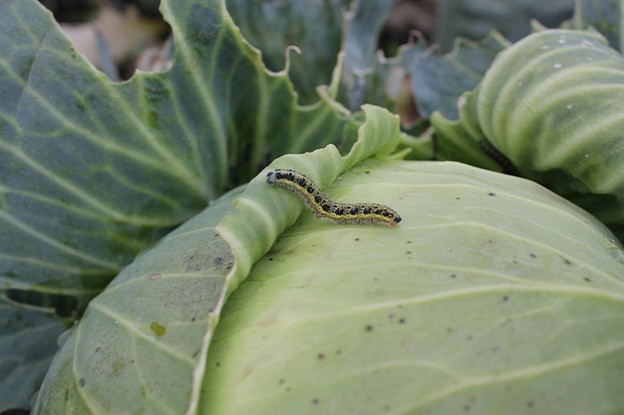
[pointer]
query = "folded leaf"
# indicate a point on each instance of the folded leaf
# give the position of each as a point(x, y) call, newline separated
point(142, 344)
point(551, 104)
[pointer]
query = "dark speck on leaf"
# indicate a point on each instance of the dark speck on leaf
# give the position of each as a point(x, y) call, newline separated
point(587, 279)
point(315, 401)
point(369, 327)
point(401, 320)
point(505, 298)
point(491, 194)
point(320, 356)
point(567, 261)
point(532, 255)
point(82, 382)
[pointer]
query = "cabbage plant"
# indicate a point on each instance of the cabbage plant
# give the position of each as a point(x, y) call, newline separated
point(197, 287)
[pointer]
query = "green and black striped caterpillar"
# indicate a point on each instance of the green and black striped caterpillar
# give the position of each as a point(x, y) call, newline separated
point(324, 208)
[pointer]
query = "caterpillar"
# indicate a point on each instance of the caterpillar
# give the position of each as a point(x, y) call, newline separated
point(324, 208)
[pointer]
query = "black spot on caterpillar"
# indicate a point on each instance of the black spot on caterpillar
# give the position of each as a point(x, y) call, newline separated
point(324, 208)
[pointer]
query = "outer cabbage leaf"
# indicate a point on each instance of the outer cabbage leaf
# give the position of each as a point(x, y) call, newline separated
point(93, 172)
point(365, 78)
point(475, 19)
point(315, 28)
point(27, 345)
point(320, 31)
point(140, 342)
point(438, 81)
point(606, 16)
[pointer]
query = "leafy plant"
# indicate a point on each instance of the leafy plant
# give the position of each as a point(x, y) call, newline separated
point(556, 117)
point(493, 294)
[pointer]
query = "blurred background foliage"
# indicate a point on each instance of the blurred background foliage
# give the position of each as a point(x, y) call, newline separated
point(121, 36)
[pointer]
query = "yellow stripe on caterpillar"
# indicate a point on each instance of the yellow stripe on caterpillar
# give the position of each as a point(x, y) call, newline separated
point(324, 208)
